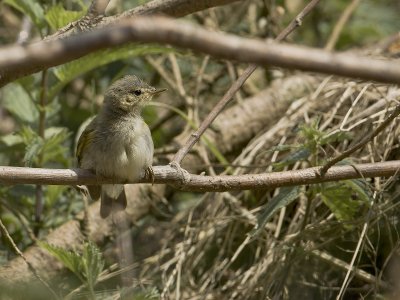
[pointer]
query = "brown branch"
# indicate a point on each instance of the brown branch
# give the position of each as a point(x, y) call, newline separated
point(191, 182)
point(362, 143)
point(182, 34)
point(194, 137)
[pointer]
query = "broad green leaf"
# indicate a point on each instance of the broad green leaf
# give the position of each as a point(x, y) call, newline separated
point(286, 196)
point(345, 199)
point(30, 8)
point(58, 17)
point(65, 73)
point(19, 104)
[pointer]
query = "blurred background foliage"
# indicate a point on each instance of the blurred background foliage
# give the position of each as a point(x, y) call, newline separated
point(41, 116)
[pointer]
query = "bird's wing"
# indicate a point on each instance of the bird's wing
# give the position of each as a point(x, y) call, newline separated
point(85, 139)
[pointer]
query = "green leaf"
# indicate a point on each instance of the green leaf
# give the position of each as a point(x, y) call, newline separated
point(53, 193)
point(58, 17)
point(54, 149)
point(338, 136)
point(299, 155)
point(86, 266)
point(19, 104)
point(32, 152)
point(286, 196)
point(93, 264)
point(70, 259)
point(65, 73)
point(30, 8)
point(11, 140)
point(346, 198)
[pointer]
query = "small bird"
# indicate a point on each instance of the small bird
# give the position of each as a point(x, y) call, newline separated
point(117, 143)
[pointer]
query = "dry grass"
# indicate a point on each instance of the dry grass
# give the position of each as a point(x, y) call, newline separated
point(305, 250)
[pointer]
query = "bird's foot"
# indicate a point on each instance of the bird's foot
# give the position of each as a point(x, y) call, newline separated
point(183, 174)
point(149, 173)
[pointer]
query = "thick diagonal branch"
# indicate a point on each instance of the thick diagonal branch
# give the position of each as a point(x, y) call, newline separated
point(182, 34)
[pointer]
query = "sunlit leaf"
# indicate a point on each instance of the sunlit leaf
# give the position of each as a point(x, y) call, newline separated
point(58, 17)
point(11, 140)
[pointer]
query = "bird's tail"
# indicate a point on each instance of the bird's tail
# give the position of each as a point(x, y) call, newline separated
point(112, 198)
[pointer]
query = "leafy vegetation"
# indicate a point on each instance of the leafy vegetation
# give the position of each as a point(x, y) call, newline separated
point(278, 243)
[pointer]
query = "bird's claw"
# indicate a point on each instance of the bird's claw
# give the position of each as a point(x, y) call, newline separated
point(183, 174)
point(149, 173)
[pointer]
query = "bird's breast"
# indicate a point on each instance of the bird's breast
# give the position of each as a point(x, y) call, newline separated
point(125, 152)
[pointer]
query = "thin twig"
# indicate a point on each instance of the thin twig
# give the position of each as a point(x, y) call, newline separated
point(297, 22)
point(194, 137)
point(362, 143)
point(5, 233)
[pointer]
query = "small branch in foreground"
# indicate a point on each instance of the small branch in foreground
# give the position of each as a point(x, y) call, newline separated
point(194, 137)
point(191, 182)
point(362, 143)
point(296, 22)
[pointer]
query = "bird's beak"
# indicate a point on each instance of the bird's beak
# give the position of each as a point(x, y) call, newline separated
point(159, 91)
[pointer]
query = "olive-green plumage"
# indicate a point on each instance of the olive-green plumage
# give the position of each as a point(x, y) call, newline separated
point(117, 143)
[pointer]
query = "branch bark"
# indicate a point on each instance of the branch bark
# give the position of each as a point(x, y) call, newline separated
point(16, 60)
point(200, 183)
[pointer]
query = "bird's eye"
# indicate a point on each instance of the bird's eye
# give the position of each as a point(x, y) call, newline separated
point(137, 92)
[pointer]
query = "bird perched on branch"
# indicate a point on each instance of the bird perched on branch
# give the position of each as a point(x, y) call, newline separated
point(117, 143)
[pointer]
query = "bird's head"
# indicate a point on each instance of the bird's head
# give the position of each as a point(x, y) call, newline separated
point(129, 94)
